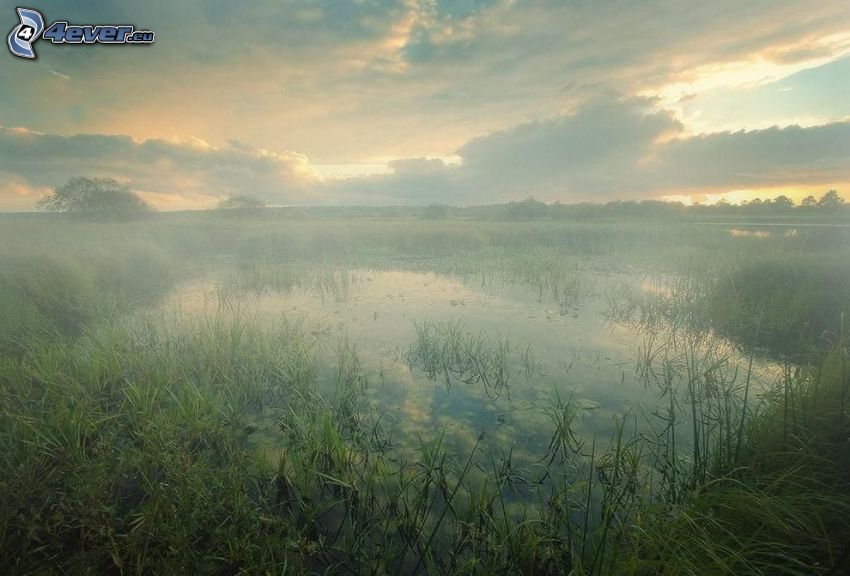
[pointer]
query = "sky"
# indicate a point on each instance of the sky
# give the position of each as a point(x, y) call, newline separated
point(369, 102)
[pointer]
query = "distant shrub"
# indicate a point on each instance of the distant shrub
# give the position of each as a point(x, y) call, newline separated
point(241, 202)
point(436, 212)
point(94, 196)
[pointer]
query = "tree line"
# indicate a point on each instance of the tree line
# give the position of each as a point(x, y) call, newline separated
point(109, 198)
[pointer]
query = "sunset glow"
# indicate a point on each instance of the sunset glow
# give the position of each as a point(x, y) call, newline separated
point(338, 103)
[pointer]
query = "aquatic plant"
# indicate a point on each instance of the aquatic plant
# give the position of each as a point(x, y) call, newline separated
point(134, 441)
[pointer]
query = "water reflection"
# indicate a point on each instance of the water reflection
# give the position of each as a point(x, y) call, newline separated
point(761, 233)
point(577, 355)
point(741, 233)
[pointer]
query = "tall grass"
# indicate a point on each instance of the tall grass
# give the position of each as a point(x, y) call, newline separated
point(449, 351)
point(131, 442)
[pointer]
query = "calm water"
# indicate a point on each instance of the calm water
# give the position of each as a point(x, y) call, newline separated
point(573, 350)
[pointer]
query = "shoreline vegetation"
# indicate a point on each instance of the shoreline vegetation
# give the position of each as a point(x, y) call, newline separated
point(98, 197)
point(128, 439)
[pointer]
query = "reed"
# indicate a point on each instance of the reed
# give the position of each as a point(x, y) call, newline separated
point(134, 441)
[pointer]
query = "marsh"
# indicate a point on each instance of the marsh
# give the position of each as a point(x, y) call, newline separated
point(378, 394)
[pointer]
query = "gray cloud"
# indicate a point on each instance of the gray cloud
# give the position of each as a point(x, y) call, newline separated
point(607, 150)
point(188, 169)
point(413, 181)
point(348, 82)
point(597, 151)
point(615, 150)
point(774, 156)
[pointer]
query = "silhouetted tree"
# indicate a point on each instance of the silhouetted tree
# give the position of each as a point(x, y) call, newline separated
point(435, 212)
point(809, 201)
point(783, 202)
point(95, 196)
point(831, 200)
point(525, 210)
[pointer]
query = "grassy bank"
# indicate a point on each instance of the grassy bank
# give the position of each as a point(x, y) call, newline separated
point(133, 442)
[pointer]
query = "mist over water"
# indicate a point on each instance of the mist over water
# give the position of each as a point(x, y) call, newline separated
point(554, 344)
point(425, 288)
point(431, 384)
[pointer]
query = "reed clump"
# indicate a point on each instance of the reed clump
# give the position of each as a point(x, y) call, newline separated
point(135, 442)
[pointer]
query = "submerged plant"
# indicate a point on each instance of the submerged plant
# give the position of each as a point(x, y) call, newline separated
point(454, 354)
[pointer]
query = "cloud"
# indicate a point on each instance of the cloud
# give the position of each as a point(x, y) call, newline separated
point(610, 149)
point(16, 194)
point(59, 74)
point(411, 182)
point(189, 169)
point(596, 152)
point(774, 156)
point(613, 150)
point(349, 82)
